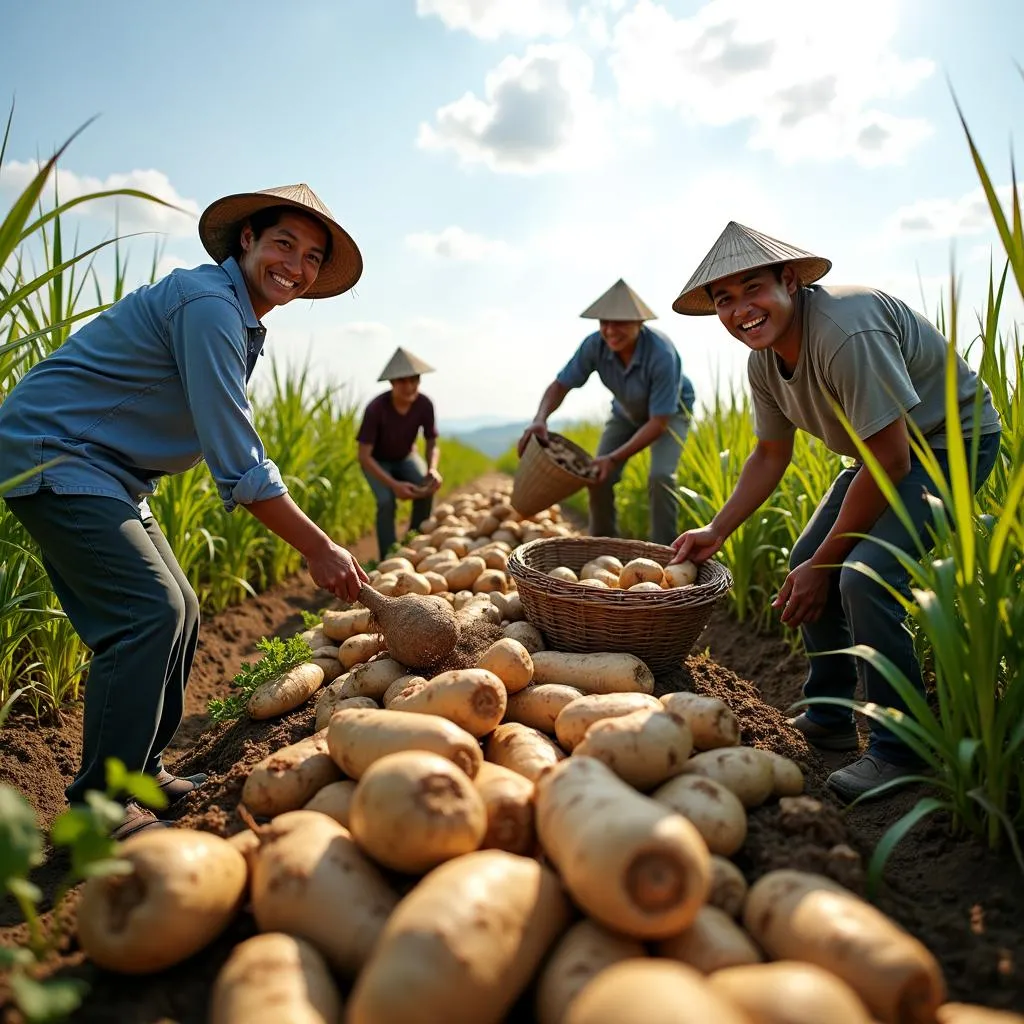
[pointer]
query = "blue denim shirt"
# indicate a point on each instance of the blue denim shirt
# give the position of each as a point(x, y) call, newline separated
point(653, 384)
point(150, 387)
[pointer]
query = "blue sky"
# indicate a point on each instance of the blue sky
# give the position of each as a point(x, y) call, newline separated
point(502, 162)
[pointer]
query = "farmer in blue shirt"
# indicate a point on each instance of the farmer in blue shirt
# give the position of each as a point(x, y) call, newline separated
point(651, 407)
point(153, 386)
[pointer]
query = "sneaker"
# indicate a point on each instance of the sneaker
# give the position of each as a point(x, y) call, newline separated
point(137, 819)
point(823, 737)
point(865, 774)
point(174, 788)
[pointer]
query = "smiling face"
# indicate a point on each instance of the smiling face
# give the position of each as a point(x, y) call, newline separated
point(758, 306)
point(282, 262)
point(621, 335)
point(404, 391)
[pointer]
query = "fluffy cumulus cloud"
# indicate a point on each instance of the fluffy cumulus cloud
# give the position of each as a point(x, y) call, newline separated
point(810, 79)
point(537, 113)
point(945, 218)
point(489, 19)
point(455, 243)
point(132, 214)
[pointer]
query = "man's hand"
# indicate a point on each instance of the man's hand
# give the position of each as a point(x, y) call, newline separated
point(804, 594)
point(603, 466)
point(538, 428)
point(404, 491)
point(335, 569)
point(433, 481)
point(697, 545)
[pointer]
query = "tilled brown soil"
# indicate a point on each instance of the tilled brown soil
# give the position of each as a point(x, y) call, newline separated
point(963, 902)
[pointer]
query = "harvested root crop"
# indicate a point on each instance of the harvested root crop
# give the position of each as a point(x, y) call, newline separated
point(183, 889)
point(744, 770)
point(472, 698)
point(711, 721)
point(796, 915)
point(789, 992)
point(340, 625)
point(288, 778)
point(281, 694)
point(311, 880)
point(628, 861)
point(334, 800)
point(585, 950)
point(680, 574)
point(522, 749)
point(652, 991)
point(359, 737)
point(713, 809)
point(728, 886)
point(508, 800)
point(539, 705)
point(463, 944)
point(510, 661)
point(413, 810)
point(593, 673)
point(418, 631)
point(360, 648)
point(714, 941)
point(644, 748)
point(273, 978)
point(576, 717)
point(527, 634)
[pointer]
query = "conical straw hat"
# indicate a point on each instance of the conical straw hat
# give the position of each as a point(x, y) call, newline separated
point(223, 219)
point(404, 364)
point(741, 248)
point(620, 302)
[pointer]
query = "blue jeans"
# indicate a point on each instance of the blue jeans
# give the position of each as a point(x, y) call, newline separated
point(661, 483)
point(128, 599)
point(411, 470)
point(859, 611)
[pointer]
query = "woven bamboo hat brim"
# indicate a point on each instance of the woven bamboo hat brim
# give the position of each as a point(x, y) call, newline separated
point(620, 302)
point(222, 220)
point(741, 248)
point(404, 364)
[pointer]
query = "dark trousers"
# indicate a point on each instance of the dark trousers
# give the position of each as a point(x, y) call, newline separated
point(860, 611)
point(410, 470)
point(128, 599)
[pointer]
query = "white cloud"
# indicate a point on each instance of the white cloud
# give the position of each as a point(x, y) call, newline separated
point(537, 114)
point(132, 214)
point(968, 214)
point(489, 19)
point(455, 243)
point(810, 79)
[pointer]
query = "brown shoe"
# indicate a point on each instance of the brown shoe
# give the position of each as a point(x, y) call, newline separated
point(137, 819)
point(844, 738)
point(175, 788)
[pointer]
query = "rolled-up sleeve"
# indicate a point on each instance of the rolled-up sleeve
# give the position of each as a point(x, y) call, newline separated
point(209, 339)
point(577, 371)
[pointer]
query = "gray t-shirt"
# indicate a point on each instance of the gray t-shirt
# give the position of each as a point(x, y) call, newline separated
point(875, 358)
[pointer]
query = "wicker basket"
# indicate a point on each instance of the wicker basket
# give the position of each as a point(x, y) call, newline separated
point(540, 482)
point(658, 628)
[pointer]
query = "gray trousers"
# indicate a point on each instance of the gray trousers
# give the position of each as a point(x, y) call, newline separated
point(661, 483)
point(411, 470)
point(859, 611)
point(128, 599)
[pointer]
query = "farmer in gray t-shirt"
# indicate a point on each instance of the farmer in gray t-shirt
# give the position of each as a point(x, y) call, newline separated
point(813, 349)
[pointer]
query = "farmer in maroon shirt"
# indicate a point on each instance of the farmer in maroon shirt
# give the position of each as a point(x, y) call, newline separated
point(387, 439)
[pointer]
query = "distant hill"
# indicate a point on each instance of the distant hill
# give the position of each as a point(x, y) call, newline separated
point(494, 439)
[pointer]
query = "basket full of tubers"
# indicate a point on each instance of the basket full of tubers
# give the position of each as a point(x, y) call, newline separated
point(589, 594)
point(549, 473)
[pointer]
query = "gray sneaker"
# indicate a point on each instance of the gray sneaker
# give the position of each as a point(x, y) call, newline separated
point(865, 774)
point(823, 737)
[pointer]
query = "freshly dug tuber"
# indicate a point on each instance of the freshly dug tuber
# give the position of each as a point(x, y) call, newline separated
point(540, 704)
point(508, 800)
point(714, 810)
point(712, 942)
point(744, 770)
point(585, 950)
point(711, 721)
point(527, 634)
point(463, 944)
point(628, 861)
point(418, 631)
point(285, 692)
point(472, 698)
point(576, 717)
point(795, 915)
point(728, 886)
point(288, 778)
point(183, 889)
point(272, 979)
point(413, 810)
point(593, 673)
point(521, 749)
point(510, 661)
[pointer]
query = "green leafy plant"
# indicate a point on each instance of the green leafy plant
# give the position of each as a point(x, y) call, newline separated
point(310, 620)
point(279, 656)
point(84, 831)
